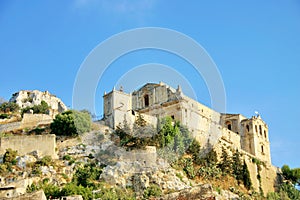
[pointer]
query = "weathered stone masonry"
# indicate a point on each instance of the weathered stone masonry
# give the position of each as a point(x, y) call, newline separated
point(154, 101)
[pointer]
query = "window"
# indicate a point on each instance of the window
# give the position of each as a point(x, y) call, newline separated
point(260, 130)
point(262, 148)
point(172, 116)
point(247, 127)
point(146, 99)
point(228, 124)
point(265, 133)
point(256, 128)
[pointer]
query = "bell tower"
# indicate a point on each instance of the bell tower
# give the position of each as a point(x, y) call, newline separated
point(255, 138)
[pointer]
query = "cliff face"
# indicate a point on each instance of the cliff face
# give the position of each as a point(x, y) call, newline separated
point(26, 98)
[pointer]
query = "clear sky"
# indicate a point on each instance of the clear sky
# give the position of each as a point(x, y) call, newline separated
point(255, 45)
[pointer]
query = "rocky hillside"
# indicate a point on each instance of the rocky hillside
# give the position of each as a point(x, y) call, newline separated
point(29, 98)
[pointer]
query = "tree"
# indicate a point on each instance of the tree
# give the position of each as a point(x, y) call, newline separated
point(225, 164)
point(195, 149)
point(246, 176)
point(71, 123)
point(237, 166)
point(210, 159)
point(292, 175)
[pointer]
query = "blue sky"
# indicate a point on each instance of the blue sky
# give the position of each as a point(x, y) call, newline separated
point(255, 45)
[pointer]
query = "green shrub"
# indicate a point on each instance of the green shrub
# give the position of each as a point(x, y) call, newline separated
point(152, 191)
point(10, 156)
point(73, 189)
point(4, 116)
point(7, 107)
point(87, 175)
point(45, 161)
point(71, 123)
point(67, 157)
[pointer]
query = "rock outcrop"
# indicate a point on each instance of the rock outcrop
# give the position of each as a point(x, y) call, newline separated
point(38, 195)
point(26, 98)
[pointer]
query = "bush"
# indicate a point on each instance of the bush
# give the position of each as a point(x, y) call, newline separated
point(72, 189)
point(7, 107)
point(10, 156)
point(4, 116)
point(67, 157)
point(152, 191)
point(42, 108)
point(87, 175)
point(45, 161)
point(71, 123)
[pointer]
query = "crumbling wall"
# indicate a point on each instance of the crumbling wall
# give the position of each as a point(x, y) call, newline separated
point(44, 144)
point(28, 121)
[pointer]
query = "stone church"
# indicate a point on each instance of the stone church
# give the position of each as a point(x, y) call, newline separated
point(235, 131)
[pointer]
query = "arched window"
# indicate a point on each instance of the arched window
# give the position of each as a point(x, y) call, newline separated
point(228, 124)
point(146, 100)
point(247, 127)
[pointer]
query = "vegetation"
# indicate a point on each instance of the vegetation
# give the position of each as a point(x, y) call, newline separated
point(4, 116)
point(71, 123)
point(292, 175)
point(9, 107)
point(172, 137)
point(42, 108)
point(287, 190)
point(152, 191)
point(9, 159)
point(85, 182)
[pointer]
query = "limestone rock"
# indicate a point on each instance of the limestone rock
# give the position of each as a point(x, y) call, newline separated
point(141, 182)
point(201, 192)
point(225, 194)
point(38, 195)
point(22, 160)
point(26, 98)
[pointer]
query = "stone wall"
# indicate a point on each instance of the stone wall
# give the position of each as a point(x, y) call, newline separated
point(28, 121)
point(31, 120)
point(44, 144)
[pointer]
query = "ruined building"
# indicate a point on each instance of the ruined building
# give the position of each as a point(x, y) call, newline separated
point(235, 131)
